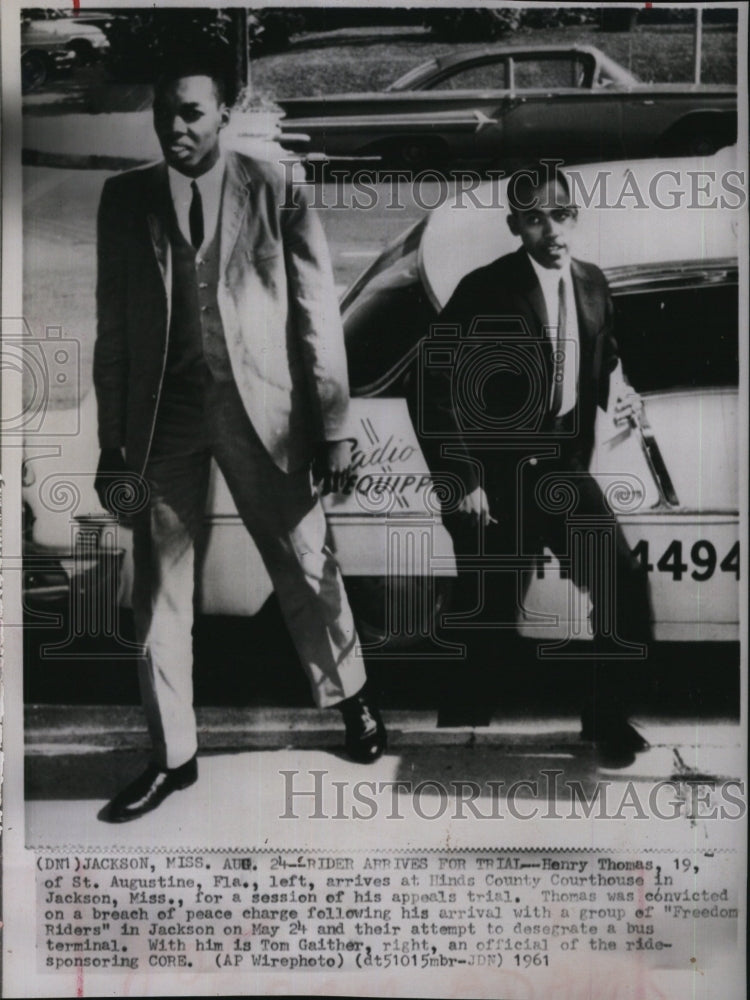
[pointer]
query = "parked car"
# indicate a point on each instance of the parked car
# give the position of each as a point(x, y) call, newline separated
point(505, 104)
point(674, 280)
point(43, 54)
point(87, 41)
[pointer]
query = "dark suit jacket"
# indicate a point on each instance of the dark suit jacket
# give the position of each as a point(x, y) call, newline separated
point(500, 312)
point(276, 298)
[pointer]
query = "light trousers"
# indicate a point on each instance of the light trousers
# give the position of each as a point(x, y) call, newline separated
point(282, 513)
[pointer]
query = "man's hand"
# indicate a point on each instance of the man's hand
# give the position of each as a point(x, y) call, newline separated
point(332, 465)
point(628, 409)
point(476, 505)
point(111, 474)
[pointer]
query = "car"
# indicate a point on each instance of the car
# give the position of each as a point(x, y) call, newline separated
point(46, 26)
point(673, 480)
point(502, 105)
point(43, 54)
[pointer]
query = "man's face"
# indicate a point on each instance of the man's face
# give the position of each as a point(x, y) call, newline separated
point(188, 117)
point(547, 226)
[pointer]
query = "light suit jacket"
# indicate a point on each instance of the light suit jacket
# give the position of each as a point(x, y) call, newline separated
point(276, 298)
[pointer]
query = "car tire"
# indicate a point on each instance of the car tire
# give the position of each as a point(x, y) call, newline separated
point(703, 145)
point(400, 612)
point(34, 71)
point(697, 138)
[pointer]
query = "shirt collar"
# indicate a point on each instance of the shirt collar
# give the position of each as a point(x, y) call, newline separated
point(180, 184)
point(549, 277)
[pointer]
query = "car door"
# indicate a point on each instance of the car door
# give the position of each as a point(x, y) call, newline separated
point(554, 109)
point(479, 86)
point(673, 480)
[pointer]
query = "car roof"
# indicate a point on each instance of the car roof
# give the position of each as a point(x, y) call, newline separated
point(510, 50)
point(613, 236)
point(440, 63)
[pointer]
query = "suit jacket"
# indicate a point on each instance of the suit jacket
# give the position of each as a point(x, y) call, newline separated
point(276, 298)
point(508, 290)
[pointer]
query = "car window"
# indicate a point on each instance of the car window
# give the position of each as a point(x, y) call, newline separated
point(679, 337)
point(482, 76)
point(411, 79)
point(554, 72)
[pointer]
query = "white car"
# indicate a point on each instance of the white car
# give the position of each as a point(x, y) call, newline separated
point(52, 27)
point(673, 276)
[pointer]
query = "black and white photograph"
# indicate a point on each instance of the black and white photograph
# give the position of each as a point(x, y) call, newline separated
point(374, 499)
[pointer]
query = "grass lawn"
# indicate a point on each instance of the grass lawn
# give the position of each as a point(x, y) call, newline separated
point(369, 59)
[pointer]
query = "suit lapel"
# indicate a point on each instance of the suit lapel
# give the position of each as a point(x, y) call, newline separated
point(588, 303)
point(158, 206)
point(529, 289)
point(233, 209)
point(235, 195)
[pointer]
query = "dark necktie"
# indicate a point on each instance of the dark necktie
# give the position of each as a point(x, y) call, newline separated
point(558, 366)
point(195, 217)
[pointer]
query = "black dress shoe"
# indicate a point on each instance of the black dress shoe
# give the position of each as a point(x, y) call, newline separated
point(148, 791)
point(365, 731)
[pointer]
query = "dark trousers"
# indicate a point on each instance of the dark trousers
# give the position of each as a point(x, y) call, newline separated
point(542, 503)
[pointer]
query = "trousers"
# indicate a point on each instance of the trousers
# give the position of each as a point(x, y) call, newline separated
point(284, 516)
point(553, 503)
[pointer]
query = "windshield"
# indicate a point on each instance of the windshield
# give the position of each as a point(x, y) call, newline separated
point(386, 312)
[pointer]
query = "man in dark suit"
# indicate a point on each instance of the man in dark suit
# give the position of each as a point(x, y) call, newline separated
point(219, 336)
point(515, 415)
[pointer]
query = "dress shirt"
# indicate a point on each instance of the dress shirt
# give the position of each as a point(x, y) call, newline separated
point(209, 185)
point(549, 282)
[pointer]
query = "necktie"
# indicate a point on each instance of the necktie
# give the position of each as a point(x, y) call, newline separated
point(558, 357)
point(195, 217)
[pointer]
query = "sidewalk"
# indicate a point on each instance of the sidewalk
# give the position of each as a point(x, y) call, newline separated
point(118, 140)
point(77, 758)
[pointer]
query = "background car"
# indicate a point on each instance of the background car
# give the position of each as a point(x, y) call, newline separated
point(508, 103)
point(43, 54)
point(49, 26)
point(673, 482)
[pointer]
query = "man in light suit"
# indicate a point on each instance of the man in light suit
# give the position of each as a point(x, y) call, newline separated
point(219, 336)
point(536, 328)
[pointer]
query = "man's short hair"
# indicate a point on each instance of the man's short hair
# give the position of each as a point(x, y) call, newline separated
point(178, 67)
point(524, 182)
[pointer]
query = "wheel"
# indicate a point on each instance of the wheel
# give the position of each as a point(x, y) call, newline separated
point(697, 138)
point(34, 71)
point(703, 145)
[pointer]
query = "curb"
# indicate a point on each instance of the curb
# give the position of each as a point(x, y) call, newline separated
point(56, 731)
point(63, 730)
point(80, 161)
